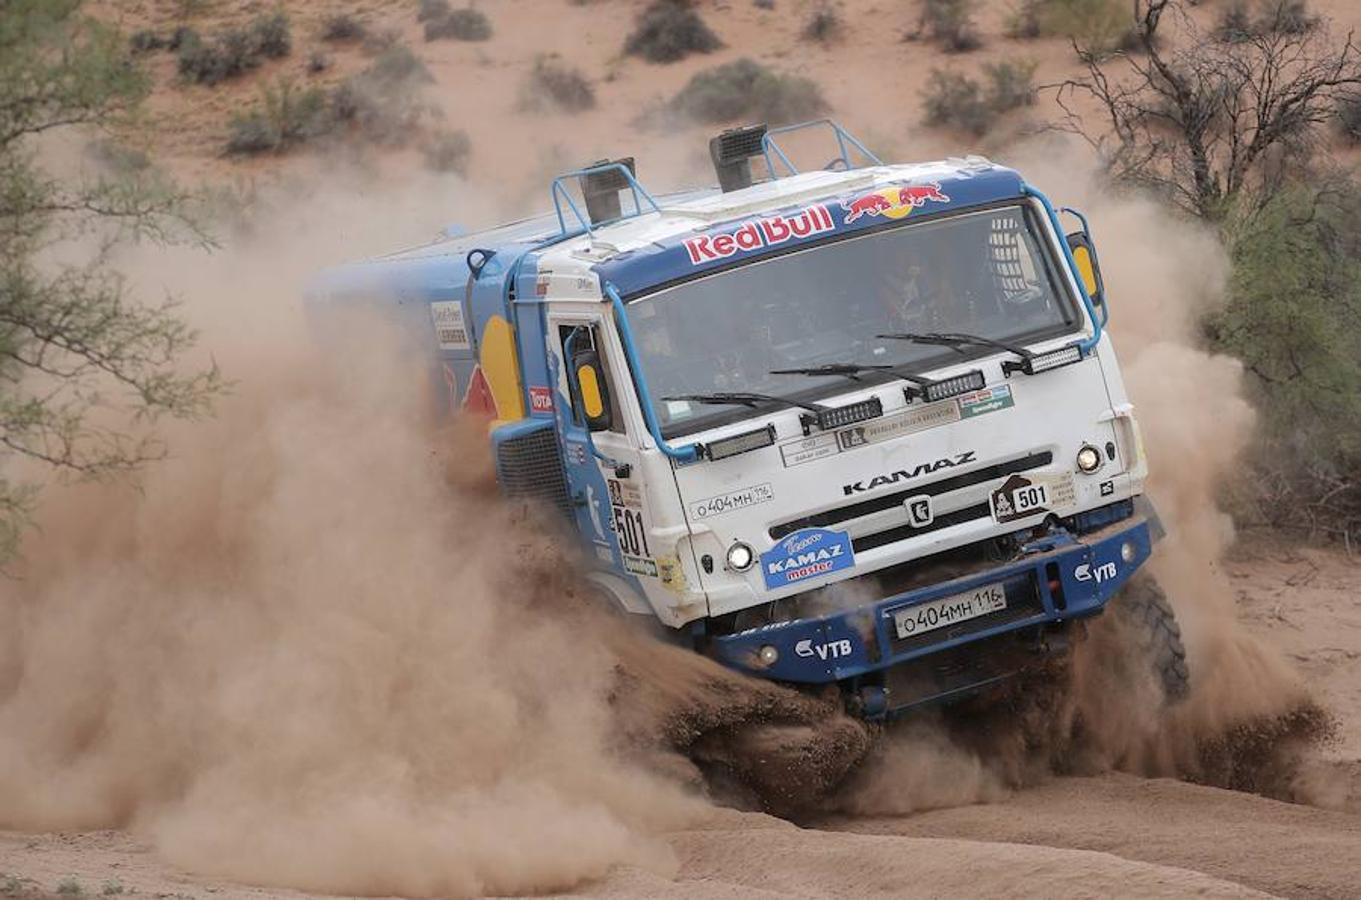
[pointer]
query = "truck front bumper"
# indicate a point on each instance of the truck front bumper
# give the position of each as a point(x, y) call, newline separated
point(1055, 579)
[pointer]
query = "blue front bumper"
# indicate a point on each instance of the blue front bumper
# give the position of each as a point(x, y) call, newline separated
point(1056, 578)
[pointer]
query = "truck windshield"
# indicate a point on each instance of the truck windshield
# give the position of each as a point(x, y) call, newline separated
point(985, 273)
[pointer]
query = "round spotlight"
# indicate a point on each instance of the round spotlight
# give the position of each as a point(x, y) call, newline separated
point(1088, 459)
point(741, 557)
point(768, 655)
point(1127, 552)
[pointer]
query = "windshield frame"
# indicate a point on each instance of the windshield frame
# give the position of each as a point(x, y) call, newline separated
point(1055, 271)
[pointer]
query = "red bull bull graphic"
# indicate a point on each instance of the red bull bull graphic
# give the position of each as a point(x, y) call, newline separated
point(767, 232)
point(893, 203)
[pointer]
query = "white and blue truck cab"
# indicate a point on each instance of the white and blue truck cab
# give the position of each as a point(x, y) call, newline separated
point(859, 426)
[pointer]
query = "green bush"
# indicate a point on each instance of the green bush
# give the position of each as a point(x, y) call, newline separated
point(1099, 27)
point(553, 84)
point(232, 52)
point(432, 9)
point(1349, 117)
point(1293, 317)
point(953, 99)
point(747, 90)
point(381, 104)
point(343, 27)
point(448, 151)
point(1010, 84)
point(670, 30)
point(146, 41)
point(465, 24)
point(270, 36)
point(824, 25)
point(951, 24)
point(284, 118)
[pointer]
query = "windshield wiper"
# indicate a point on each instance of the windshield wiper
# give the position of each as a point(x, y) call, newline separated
point(955, 340)
point(742, 398)
point(853, 371)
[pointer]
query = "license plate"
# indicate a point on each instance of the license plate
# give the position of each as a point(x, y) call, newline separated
point(950, 610)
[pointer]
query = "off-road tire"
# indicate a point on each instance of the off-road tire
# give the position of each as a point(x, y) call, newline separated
point(1143, 606)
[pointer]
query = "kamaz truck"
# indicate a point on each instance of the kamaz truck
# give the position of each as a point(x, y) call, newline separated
point(860, 426)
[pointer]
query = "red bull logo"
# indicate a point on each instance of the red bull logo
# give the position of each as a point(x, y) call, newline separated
point(893, 203)
point(768, 232)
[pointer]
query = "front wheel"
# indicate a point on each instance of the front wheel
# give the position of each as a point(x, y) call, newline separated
point(1152, 624)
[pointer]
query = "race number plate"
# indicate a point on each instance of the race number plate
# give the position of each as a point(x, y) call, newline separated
point(950, 610)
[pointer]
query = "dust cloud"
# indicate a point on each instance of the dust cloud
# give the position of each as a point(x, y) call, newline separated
point(312, 649)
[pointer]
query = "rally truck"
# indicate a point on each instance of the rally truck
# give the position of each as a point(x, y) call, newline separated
point(858, 426)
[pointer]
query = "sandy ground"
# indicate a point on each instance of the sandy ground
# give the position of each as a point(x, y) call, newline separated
point(1068, 836)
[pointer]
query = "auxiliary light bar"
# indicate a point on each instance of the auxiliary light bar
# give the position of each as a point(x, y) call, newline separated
point(740, 443)
point(1043, 362)
point(838, 416)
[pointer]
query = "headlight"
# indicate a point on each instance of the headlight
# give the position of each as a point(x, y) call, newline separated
point(741, 557)
point(768, 656)
point(1088, 459)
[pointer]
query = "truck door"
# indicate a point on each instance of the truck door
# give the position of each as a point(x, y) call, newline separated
point(602, 467)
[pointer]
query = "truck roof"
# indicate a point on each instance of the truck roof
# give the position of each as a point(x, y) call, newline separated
point(656, 246)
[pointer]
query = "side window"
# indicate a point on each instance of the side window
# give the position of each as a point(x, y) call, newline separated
point(587, 337)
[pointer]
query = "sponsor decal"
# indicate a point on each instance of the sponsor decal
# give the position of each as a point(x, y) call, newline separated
point(919, 512)
point(985, 401)
point(540, 398)
point(926, 468)
point(913, 420)
point(810, 553)
point(629, 527)
point(739, 499)
point(671, 574)
point(640, 565)
point(1099, 573)
point(1107, 488)
point(830, 650)
point(757, 233)
point(806, 450)
point(449, 328)
point(892, 203)
point(541, 284)
point(1022, 496)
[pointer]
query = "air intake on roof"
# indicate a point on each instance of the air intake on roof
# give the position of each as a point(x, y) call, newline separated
point(601, 189)
point(732, 151)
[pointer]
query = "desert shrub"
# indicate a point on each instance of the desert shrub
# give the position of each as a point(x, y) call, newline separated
point(764, 4)
point(1293, 316)
point(554, 84)
point(1096, 26)
point(1287, 17)
point(1010, 84)
point(118, 157)
point(1235, 22)
point(1349, 117)
point(271, 35)
point(432, 9)
point(381, 104)
point(233, 52)
point(179, 36)
point(954, 99)
point(448, 151)
point(745, 89)
point(146, 41)
point(824, 25)
point(466, 24)
point(284, 118)
point(670, 30)
point(318, 62)
point(951, 24)
point(343, 27)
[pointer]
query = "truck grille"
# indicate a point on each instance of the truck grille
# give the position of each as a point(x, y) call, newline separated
point(852, 511)
point(530, 466)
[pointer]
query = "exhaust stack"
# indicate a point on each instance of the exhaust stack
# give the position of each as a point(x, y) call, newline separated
point(601, 189)
point(731, 153)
